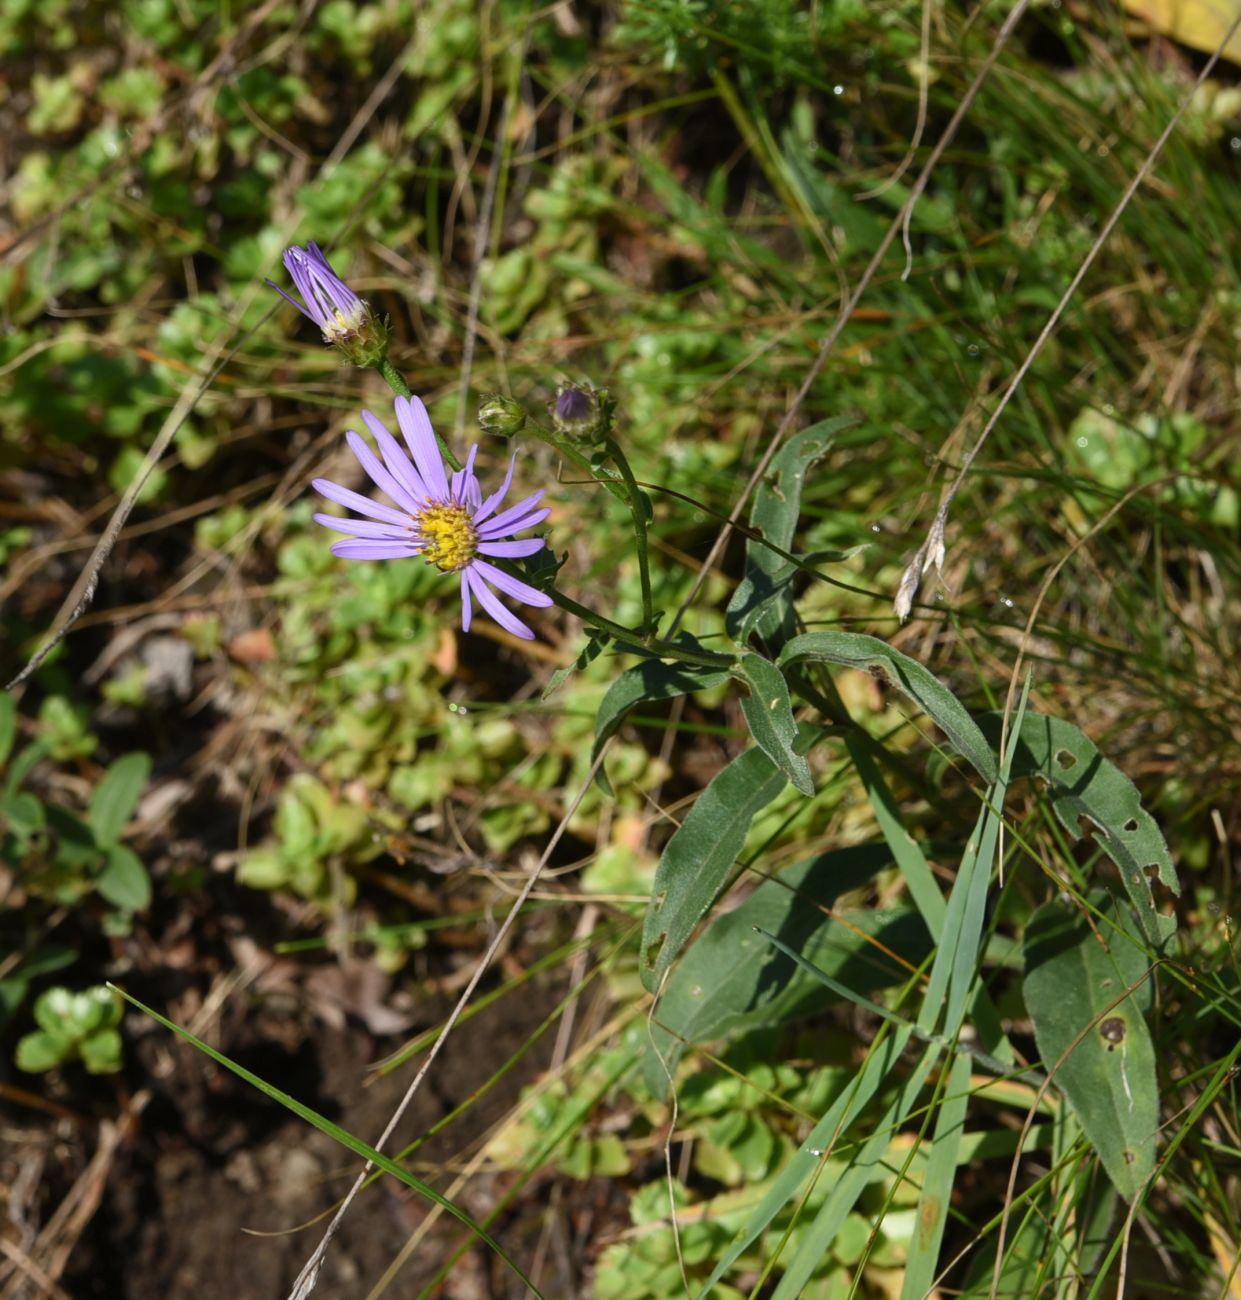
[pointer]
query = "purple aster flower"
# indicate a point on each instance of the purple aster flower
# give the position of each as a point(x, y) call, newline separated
point(345, 320)
point(445, 520)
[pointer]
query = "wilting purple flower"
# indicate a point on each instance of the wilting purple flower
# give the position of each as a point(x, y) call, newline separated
point(445, 520)
point(329, 301)
point(345, 320)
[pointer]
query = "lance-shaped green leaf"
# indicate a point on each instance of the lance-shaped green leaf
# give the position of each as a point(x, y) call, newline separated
point(763, 601)
point(769, 713)
point(854, 650)
point(1082, 784)
point(698, 858)
point(1072, 986)
point(732, 979)
point(650, 680)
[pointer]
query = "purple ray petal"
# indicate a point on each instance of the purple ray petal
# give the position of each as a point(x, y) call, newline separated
point(365, 528)
point(489, 532)
point(467, 611)
point(379, 475)
point(294, 301)
point(509, 585)
point(496, 497)
point(368, 550)
point(355, 501)
point(396, 459)
point(506, 619)
point(462, 477)
point(503, 523)
point(507, 550)
point(415, 424)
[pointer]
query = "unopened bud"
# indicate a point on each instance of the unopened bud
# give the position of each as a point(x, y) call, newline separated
point(501, 415)
point(583, 414)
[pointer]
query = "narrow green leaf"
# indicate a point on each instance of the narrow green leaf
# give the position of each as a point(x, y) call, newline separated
point(591, 651)
point(816, 1241)
point(769, 713)
point(731, 979)
point(838, 1119)
point(941, 1167)
point(854, 650)
point(698, 858)
point(1071, 983)
point(337, 1134)
point(116, 796)
point(906, 852)
point(1083, 785)
point(8, 726)
point(124, 882)
point(763, 601)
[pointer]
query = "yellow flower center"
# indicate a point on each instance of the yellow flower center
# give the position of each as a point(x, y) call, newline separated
point(344, 327)
point(449, 538)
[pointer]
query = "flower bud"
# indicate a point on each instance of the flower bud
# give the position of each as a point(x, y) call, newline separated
point(501, 415)
point(582, 413)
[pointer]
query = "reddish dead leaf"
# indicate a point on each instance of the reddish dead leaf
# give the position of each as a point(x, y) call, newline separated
point(253, 647)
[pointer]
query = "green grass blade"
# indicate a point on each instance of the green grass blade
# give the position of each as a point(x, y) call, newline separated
point(937, 1187)
point(837, 1120)
point(832, 1213)
point(336, 1133)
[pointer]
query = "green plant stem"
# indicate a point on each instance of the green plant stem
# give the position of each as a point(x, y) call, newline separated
point(638, 503)
point(396, 381)
point(573, 454)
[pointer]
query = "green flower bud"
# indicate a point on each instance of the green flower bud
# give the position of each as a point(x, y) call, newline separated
point(501, 415)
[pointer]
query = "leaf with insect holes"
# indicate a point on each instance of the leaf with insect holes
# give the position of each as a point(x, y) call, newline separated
point(1092, 1034)
point(1084, 787)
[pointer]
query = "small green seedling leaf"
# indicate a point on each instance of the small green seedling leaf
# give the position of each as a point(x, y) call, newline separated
point(101, 1052)
point(124, 881)
point(698, 858)
point(769, 713)
point(73, 1025)
point(40, 1051)
point(116, 796)
point(1075, 989)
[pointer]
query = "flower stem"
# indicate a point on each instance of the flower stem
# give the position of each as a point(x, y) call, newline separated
point(396, 381)
point(571, 453)
point(638, 505)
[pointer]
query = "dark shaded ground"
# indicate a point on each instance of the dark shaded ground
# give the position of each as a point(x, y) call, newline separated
point(210, 1161)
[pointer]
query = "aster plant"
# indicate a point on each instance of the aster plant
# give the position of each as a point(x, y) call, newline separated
point(444, 519)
